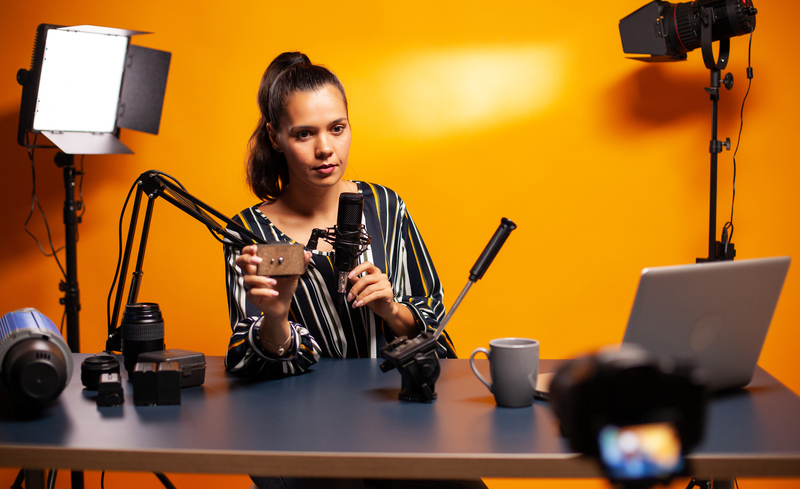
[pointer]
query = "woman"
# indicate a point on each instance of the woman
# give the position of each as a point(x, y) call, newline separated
point(298, 155)
point(281, 326)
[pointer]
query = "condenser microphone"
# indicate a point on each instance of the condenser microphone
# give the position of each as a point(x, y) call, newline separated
point(347, 244)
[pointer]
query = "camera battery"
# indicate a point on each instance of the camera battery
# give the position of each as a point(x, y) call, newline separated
point(192, 364)
point(169, 383)
point(109, 390)
point(156, 384)
point(145, 384)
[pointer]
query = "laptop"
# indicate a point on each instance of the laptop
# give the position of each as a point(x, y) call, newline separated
point(715, 315)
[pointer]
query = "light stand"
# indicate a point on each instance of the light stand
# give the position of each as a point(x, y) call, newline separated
point(153, 184)
point(92, 83)
point(667, 32)
point(717, 250)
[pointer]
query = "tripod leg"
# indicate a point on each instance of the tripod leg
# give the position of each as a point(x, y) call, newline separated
point(164, 480)
point(18, 481)
point(76, 478)
point(34, 479)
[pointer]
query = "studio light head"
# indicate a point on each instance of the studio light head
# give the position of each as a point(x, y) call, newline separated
point(85, 83)
point(667, 31)
point(35, 362)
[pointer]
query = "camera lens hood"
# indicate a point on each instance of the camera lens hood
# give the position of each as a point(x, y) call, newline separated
point(95, 366)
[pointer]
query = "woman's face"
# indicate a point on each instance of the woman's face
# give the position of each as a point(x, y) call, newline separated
point(314, 136)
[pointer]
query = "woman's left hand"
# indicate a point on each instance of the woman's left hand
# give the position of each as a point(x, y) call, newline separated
point(375, 291)
point(372, 290)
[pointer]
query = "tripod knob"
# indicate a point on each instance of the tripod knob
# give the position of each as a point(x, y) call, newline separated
point(728, 81)
point(716, 146)
point(22, 76)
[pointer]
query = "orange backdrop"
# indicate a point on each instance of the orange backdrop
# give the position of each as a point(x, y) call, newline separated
point(472, 112)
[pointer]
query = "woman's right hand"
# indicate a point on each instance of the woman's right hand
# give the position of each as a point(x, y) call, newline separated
point(272, 296)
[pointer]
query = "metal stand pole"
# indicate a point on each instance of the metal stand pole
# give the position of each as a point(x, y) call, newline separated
point(71, 299)
point(712, 211)
point(72, 296)
point(716, 250)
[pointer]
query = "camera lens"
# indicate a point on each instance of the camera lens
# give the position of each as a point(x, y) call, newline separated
point(142, 331)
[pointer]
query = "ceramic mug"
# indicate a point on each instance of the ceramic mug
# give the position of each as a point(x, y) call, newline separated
point(514, 365)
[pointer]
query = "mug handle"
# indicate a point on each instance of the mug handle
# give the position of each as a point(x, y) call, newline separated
point(472, 364)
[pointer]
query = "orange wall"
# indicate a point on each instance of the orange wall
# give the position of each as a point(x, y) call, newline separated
point(527, 110)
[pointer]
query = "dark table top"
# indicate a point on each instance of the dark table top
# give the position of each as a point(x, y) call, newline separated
point(343, 418)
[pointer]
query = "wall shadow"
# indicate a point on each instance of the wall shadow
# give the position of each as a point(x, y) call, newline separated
point(15, 192)
point(17, 184)
point(658, 95)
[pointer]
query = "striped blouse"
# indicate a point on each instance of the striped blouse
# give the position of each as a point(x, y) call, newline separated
point(322, 324)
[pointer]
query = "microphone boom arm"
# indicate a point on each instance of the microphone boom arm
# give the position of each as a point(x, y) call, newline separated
point(155, 184)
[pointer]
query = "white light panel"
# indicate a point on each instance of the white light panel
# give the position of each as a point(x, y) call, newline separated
point(80, 82)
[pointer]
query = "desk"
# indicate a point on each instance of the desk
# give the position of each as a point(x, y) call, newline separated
point(343, 419)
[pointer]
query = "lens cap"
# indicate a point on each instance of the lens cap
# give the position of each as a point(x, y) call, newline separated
point(93, 367)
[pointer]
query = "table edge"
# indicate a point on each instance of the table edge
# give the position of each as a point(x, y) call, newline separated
point(372, 465)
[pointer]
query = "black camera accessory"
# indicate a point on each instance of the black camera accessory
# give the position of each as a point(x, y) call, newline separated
point(156, 384)
point(627, 387)
point(35, 362)
point(416, 359)
point(95, 366)
point(142, 331)
point(109, 389)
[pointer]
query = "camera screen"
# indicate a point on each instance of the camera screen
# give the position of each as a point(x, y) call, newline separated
point(645, 451)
